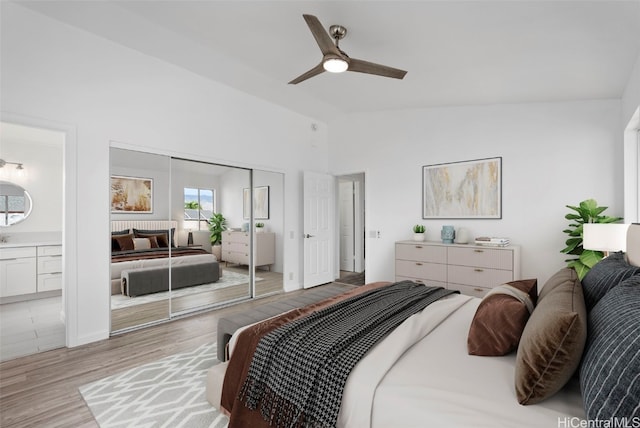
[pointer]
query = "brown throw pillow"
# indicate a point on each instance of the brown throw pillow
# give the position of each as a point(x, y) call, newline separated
point(122, 242)
point(553, 340)
point(501, 317)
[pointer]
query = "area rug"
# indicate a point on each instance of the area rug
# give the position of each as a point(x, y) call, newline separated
point(166, 393)
point(228, 279)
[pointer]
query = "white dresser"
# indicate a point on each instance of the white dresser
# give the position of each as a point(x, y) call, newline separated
point(471, 269)
point(29, 269)
point(236, 248)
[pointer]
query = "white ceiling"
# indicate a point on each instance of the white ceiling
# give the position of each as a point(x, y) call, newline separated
point(456, 52)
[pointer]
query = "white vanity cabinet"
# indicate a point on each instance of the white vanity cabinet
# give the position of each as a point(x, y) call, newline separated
point(30, 269)
point(49, 268)
point(18, 271)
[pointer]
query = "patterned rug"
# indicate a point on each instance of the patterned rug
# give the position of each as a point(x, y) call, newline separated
point(228, 279)
point(167, 393)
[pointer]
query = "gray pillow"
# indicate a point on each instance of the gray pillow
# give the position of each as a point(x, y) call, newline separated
point(610, 369)
point(604, 276)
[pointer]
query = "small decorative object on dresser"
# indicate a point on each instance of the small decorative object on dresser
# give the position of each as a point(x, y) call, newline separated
point(418, 232)
point(260, 227)
point(448, 233)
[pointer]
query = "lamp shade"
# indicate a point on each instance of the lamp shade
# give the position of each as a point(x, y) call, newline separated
point(605, 236)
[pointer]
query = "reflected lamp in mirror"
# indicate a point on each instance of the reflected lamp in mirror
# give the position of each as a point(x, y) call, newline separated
point(605, 237)
point(6, 171)
point(15, 204)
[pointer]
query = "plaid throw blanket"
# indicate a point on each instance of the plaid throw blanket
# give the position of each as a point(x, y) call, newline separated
point(299, 370)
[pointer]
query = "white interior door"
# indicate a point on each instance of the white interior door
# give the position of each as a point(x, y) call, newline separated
point(318, 229)
point(347, 224)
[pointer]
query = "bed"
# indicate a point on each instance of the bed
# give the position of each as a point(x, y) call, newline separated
point(577, 358)
point(140, 255)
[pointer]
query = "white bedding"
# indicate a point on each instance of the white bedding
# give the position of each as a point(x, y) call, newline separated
point(422, 376)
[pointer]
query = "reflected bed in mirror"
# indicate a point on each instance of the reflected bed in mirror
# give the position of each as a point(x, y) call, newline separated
point(15, 204)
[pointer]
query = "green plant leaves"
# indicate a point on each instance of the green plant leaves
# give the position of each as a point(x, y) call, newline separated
point(587, 211)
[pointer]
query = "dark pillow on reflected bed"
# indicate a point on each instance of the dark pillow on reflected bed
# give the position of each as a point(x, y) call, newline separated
point(162, 236)
point(604, 276)
point(553, 339)
point(610, 369)
point(122, 242)
point(501, 317)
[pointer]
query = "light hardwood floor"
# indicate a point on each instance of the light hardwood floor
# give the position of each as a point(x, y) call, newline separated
point(42, 390)
point(269, 283)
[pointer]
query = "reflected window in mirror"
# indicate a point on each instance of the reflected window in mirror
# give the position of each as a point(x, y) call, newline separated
point(199, 206)
point(15, 203)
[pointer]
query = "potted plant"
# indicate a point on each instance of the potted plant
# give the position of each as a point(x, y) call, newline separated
point(418, 232)
point(587, 212)
point(260, 227)
point(217, 225)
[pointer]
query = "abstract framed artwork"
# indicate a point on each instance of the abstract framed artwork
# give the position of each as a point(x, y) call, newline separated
point(131, 194)
point(260, 203)
point(469, 189)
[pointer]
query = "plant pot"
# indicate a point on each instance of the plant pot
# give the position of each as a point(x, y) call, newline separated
point(259, 229)
point(216, 250)
point(418, 236)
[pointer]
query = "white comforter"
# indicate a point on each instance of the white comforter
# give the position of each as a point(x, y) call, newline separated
point(422, 376)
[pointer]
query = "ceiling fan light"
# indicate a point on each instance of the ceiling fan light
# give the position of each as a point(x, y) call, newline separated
point(335, 65)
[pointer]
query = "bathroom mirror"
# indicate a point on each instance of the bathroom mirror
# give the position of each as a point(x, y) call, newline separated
point(15, 204)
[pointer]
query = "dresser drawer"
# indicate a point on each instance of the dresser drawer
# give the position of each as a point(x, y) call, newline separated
point(476, 276)
point(469, 290)
point(49, 264)
point(50, 250)
point(423, 253)
point(481, 257)
point(241, 237)
point(237, 247)
point(17, 252)
point(422, 270)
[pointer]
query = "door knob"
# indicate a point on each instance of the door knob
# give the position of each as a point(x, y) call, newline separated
point(308, 236)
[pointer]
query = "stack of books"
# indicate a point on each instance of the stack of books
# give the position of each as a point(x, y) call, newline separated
point(492, 242)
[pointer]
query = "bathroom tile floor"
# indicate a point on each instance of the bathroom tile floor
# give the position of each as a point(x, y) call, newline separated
point(30, 327)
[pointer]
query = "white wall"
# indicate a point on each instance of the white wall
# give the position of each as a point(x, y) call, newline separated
point(42, 178)
point(552, 155)
point(631, 95)
point(110, 93)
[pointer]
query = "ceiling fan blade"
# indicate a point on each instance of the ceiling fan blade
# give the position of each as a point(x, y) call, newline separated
point(371, 68)
point(313, 72)
point(325, 42)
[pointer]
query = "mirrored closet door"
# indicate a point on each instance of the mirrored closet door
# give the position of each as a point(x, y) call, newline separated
point(189, 235)
point(140, 238)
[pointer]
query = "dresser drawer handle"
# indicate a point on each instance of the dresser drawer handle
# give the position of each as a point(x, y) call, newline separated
point(478, 270)
point(419, 246)
point(418, 264)
point(478, 251)
point(479, 290)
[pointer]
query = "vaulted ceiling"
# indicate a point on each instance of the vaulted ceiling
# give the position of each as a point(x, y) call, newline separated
point(456, 52)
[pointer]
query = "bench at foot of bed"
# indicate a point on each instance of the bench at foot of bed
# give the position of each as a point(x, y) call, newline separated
point(136, 282)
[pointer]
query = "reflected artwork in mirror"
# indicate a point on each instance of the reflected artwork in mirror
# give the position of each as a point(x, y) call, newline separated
point(15, 204)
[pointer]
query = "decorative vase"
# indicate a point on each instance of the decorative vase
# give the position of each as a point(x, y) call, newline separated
point(418, 236)
point(447, 234)
point(462, 236)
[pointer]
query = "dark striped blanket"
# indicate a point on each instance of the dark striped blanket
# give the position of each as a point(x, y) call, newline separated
point(299, 370)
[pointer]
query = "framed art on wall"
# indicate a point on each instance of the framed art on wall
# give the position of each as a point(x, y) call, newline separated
point(469, 189)
point(260, 203)
point(131, 194)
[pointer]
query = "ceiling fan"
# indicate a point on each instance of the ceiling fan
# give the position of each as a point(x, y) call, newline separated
point(335, 60)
